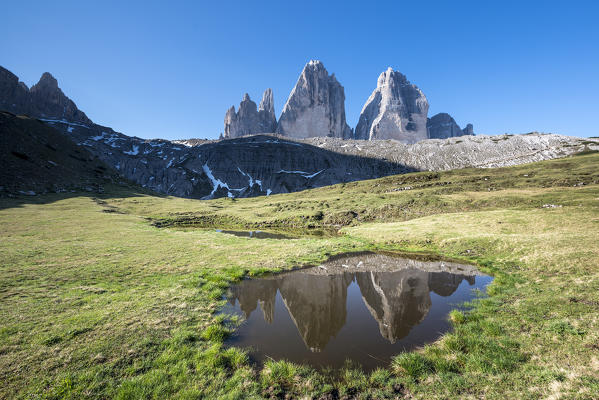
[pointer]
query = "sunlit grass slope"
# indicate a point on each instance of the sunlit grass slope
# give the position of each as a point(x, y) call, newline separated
point(99, 302)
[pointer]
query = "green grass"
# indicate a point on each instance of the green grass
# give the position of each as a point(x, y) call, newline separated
point(98, 302)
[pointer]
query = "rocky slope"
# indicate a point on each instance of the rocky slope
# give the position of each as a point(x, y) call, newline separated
point(465, 151)
point(39, 159)
point(268, 164)
point(443, 126)
point(316, 106)
point(396, 109)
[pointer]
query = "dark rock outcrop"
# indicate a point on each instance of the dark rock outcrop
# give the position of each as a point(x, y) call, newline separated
point(468, 130)
point(44, 100)
point(35, 158)
point(315, 107)
point(396, 109)
point(443, 126)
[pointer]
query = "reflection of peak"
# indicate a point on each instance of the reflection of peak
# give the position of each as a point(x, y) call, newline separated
point(397, 300)
point(316, 305)
point(252, 291)
point(268, 309)
point(395, 291)
point(445, 283)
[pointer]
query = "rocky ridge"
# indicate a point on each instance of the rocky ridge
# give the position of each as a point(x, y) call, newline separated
point(270, 164)
point(44, 100)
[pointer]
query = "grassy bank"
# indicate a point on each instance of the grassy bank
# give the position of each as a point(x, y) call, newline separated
point(97, 301)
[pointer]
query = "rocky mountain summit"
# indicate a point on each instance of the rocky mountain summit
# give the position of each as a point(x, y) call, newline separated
point(443, 126)
point(316, 106)
point(249, 120)
point(263, 164)
point(396, 109)
point(44, 100)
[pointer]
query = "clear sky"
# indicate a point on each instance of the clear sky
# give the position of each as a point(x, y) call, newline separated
point(171, 69)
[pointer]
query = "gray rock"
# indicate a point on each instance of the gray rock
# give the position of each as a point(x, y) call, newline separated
point(396, 109)
point(266, 113)
point(249, 120)
point(468, 130)
point(443, 126)
point(315, 107)
point(479, 151)
point(270, 164)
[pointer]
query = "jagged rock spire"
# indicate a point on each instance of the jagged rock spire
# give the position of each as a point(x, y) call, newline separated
point(266, 113)
point(316, 106)
point(249, 120)
point(396, 109)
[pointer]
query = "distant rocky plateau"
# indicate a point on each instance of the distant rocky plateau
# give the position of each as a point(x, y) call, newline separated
point(265, 164)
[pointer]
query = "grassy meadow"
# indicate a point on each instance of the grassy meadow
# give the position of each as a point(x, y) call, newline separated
point(115, 295)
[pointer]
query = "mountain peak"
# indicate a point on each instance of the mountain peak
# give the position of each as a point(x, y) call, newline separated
point(315, 107)
point(47, 80)
point(396, 109)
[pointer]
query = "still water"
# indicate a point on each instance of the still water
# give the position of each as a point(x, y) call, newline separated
point(256, 234)
point(365, 308)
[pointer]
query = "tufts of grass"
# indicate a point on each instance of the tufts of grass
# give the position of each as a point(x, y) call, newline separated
point(414, 365)
point(215, 333)
point(105, 305)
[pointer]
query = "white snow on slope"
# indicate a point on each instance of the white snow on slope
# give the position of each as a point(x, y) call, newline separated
point(258, 181)
point(133, 152)
point(216, 183)
point(99, 137)
point(62, 121)
point(302, 173)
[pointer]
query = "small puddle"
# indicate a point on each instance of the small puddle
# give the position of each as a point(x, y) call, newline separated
point(256, 234)
point(365, 308)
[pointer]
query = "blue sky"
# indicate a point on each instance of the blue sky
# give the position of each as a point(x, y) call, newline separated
point(171, 69)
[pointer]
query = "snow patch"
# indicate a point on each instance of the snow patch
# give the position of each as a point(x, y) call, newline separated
point(63, 121)
point(216, 183)
point(133, 152)
point(302, 173)
point(99, 137)
point(258, 181)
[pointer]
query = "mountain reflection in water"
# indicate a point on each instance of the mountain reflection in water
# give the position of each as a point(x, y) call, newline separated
point(365, 308)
